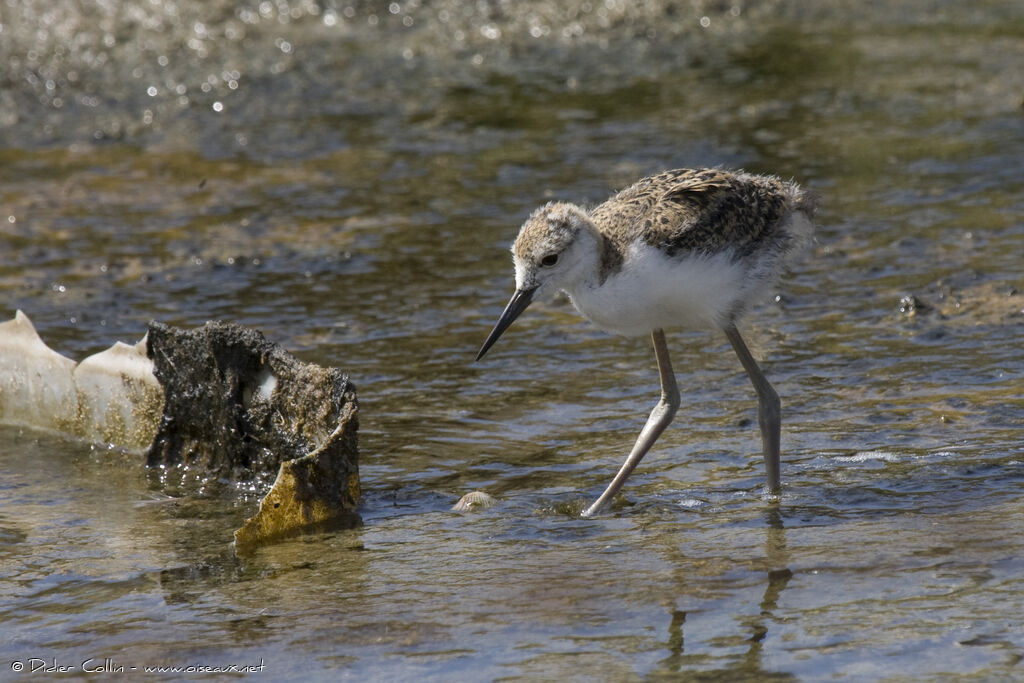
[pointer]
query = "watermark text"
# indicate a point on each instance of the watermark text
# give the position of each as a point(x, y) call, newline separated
point(39, 665)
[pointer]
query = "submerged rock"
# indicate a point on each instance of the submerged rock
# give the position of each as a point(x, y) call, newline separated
point(910, 305)
point(971, 303)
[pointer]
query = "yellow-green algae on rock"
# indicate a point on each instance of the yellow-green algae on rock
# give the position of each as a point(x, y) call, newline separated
point(316, 490)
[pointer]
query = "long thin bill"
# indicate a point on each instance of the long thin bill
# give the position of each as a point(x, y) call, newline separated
point(516, 305)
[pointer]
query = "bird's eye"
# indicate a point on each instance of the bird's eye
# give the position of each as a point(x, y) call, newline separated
point(549, 260)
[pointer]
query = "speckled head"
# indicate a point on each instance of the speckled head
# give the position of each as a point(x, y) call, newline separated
point(546, 250)
point(555, 249)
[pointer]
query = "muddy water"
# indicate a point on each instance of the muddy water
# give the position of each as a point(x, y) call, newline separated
point(347, 179)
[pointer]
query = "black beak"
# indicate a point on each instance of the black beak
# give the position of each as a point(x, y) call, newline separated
point(520, 300)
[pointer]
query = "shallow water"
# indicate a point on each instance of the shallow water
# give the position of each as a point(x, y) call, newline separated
point(353, 197)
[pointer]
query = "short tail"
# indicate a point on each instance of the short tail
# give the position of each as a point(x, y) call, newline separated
point(800, 224)
point(805, 201)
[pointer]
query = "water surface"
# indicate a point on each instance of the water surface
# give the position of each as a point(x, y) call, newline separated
point(347, 179)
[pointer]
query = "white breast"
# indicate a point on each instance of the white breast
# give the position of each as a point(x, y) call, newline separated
point(655, 291)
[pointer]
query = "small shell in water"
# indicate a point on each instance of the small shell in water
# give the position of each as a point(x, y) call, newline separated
point(473, 501)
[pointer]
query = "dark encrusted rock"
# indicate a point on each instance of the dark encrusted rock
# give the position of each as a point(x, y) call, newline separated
point(238, 405)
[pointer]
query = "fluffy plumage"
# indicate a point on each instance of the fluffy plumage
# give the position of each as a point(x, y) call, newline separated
point(690, 247)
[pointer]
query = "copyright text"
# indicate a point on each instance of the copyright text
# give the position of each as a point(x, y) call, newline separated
point(38, 665)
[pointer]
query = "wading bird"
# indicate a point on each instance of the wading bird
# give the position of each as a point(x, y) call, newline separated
point(684, 248)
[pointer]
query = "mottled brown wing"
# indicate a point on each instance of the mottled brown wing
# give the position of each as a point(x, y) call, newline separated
point(628, 215)
point(711, 211)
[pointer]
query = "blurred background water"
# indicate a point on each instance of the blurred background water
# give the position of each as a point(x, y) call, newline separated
point(347, 177)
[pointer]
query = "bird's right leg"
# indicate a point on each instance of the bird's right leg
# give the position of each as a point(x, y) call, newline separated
point(769, 409)
point(660, 418)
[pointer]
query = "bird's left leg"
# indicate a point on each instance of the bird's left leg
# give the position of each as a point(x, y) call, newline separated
point(660, 418)
point(769, 409)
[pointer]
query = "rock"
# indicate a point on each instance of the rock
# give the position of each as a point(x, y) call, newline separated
point(964, 300)
point(910, 305)
point(239, 405)
point(243, 407)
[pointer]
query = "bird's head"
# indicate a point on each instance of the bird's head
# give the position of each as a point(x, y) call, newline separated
point(556, 248)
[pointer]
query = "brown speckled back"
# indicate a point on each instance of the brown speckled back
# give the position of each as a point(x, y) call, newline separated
point(701, 211)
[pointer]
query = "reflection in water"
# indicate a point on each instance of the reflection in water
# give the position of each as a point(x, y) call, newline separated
point(676, 642)
point(779, 574)
point(749, 665)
